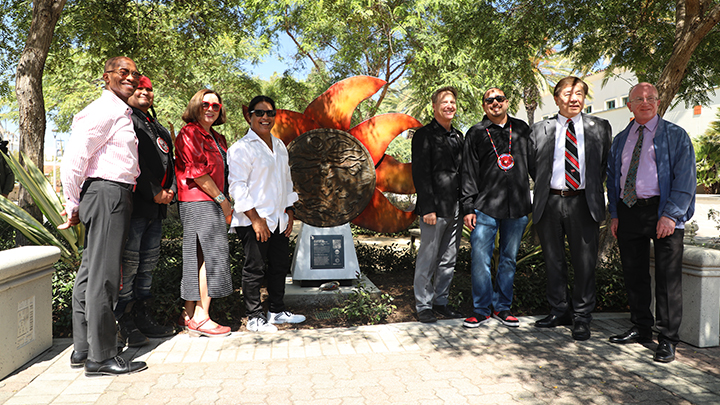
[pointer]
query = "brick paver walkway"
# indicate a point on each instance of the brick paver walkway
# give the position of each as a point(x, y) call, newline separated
point(408, 363)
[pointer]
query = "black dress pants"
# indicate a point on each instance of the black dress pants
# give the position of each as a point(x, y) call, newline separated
point(636, 227)
point(569, 216)
point(276, 252)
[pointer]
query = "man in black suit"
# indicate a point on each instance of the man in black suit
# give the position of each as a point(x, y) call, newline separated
point(155, 189)
point(436, 157)
point(568, 158)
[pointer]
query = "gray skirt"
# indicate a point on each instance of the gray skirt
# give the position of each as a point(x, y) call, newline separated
point(204, 230)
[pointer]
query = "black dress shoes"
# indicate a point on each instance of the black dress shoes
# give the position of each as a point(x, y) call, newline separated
point(426, 316)
point(77, 359)
point(633, 335)
point(581, 331)
point(446, 311)
point(665, 352)
point(552, 321)
point(113, 366)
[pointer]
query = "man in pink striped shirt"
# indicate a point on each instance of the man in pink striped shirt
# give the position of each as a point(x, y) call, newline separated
point(98, 176)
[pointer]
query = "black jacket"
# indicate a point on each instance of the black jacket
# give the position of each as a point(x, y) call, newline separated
point(436, 163)
point(488, 188)
point(156, 161)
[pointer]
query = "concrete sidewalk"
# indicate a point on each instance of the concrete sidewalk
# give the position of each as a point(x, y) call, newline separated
point(407, 363)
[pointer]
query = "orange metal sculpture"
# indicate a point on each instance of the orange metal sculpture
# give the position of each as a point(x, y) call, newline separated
point(333, 109)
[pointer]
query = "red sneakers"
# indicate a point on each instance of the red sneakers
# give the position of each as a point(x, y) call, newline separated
point(506, 318)
point(475, 321)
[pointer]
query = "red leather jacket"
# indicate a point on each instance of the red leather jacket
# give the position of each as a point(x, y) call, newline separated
point(196, 154)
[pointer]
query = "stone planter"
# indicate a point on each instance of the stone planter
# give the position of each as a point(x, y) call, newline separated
point(701, 296)
point(25, 304)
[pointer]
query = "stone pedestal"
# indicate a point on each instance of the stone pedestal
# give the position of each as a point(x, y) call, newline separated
point(325, 254)
point(701, 296)
point(25, 304)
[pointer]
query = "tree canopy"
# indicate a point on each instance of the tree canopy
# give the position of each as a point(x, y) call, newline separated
point(414, 45)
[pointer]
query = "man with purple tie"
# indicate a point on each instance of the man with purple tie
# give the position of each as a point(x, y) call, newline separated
point(651, 191)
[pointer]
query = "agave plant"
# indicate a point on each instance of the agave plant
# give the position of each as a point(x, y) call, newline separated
point(50, 204)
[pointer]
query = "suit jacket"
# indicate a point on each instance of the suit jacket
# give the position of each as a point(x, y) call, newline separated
point(675, 161)
point(156, 162)
point(436, 170)
point(598, 138)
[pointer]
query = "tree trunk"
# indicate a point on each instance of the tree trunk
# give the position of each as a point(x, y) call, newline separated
point(692, 24)
point(531, 95)
point(28, 89)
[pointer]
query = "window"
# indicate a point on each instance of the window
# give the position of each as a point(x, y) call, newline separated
point(588, 109)
point(610, 104)
point(625, 100)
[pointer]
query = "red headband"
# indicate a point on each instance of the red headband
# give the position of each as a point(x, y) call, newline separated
point(144, 82)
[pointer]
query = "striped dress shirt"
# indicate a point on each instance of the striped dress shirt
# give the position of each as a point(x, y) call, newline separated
point(102, 145)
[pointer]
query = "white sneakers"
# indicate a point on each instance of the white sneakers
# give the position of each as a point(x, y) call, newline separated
point(259, 324)
point(284, 317)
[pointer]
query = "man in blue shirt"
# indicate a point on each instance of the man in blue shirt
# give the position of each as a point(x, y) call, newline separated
point(651, 190)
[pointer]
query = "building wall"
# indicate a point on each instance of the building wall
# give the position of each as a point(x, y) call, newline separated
point(616, 90)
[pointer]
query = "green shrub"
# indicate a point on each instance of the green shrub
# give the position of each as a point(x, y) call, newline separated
point(707, 155)
point(363, 308)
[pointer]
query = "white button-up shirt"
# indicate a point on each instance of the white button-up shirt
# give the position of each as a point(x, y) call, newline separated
point(260, 178)
point(558, 170)
point(102, 144)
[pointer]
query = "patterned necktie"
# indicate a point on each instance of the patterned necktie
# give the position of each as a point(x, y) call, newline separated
point(572, 167)
point(629, 192)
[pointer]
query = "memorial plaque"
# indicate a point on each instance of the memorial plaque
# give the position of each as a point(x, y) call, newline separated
point(327, 252)
point(334, 176)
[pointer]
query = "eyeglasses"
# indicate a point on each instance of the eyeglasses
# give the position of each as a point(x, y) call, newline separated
point(640, 100)
point(125, 73)
point(499, 99)
point(213, 106)
point(260, 113)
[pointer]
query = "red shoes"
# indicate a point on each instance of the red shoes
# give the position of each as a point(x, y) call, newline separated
point(195, 329)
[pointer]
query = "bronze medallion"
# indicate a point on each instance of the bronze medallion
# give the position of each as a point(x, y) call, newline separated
point(333, 174)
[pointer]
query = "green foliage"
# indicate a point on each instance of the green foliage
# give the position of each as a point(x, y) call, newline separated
point(401, 149)
point(381, 259)
point(707, 154)
point(50, 205)
point(364, 308)
point(63, 280)
point(641, 37)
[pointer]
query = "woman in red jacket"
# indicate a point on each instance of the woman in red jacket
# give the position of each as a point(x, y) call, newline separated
point(201, 170)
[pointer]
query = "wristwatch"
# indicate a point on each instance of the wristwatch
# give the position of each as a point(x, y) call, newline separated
point(219, 198)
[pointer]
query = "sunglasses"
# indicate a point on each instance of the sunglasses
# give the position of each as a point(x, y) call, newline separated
point(125, 73)
point(260, 113)
point(499, 99)
point(214, 106)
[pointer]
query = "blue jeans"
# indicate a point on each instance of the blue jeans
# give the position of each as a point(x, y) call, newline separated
point(482, 240)
point(140, 258)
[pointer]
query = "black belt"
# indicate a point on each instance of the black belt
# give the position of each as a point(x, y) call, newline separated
point(566, 193)
point(644, 202)
point(126, 186)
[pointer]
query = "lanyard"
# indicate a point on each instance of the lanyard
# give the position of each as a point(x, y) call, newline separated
point(504, 161)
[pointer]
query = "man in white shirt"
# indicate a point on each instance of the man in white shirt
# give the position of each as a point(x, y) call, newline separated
point(568, 158)
point(261, 186)
point(98, 176)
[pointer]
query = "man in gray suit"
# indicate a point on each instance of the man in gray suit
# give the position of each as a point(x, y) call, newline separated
point(568, 156)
